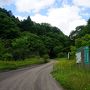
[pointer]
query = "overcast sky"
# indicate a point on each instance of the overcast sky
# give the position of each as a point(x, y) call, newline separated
point(65, 14)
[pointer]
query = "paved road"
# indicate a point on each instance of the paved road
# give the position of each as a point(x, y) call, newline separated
point(37, 78)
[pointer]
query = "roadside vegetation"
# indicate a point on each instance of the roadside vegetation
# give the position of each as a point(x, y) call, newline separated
point(71, 76)
point(67, 72)
point(11, 65)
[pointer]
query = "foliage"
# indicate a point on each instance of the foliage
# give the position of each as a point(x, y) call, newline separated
point(7, 56)
point(26, 25)
point(45, 57)
point(73, 50)
point(84, 41)
point(61, 54)
point(8, 27)
point(27, 45)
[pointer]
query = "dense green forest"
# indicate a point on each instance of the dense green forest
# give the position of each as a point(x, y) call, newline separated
point(22, 39)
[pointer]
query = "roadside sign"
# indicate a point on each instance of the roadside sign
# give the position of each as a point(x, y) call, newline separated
point(83, 55)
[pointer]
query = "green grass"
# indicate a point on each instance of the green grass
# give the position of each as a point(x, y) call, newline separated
point(10, 65)
point(71, 76)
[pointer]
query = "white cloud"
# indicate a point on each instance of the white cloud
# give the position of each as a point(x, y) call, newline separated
point(84, 3)
point(65, 18)
point(33, 5)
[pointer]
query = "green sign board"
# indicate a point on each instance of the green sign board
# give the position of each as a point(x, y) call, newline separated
point(86, 55)
point(83, 55)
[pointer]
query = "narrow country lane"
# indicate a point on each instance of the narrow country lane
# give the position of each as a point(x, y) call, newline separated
point(37, 78)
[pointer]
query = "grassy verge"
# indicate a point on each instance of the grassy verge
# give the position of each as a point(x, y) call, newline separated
point(10, 65)
point(70, 76)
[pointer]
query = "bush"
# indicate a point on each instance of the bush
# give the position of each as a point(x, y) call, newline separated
point(7, 56)
point(60, 55)
point(45, 57)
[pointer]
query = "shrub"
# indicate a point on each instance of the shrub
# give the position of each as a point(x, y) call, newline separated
point(45, 57)
point(7, 56)
point(60, 55)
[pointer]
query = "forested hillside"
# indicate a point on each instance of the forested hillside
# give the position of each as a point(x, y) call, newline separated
point(23, 39)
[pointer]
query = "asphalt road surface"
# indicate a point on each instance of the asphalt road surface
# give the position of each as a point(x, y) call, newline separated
point(36, 78)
